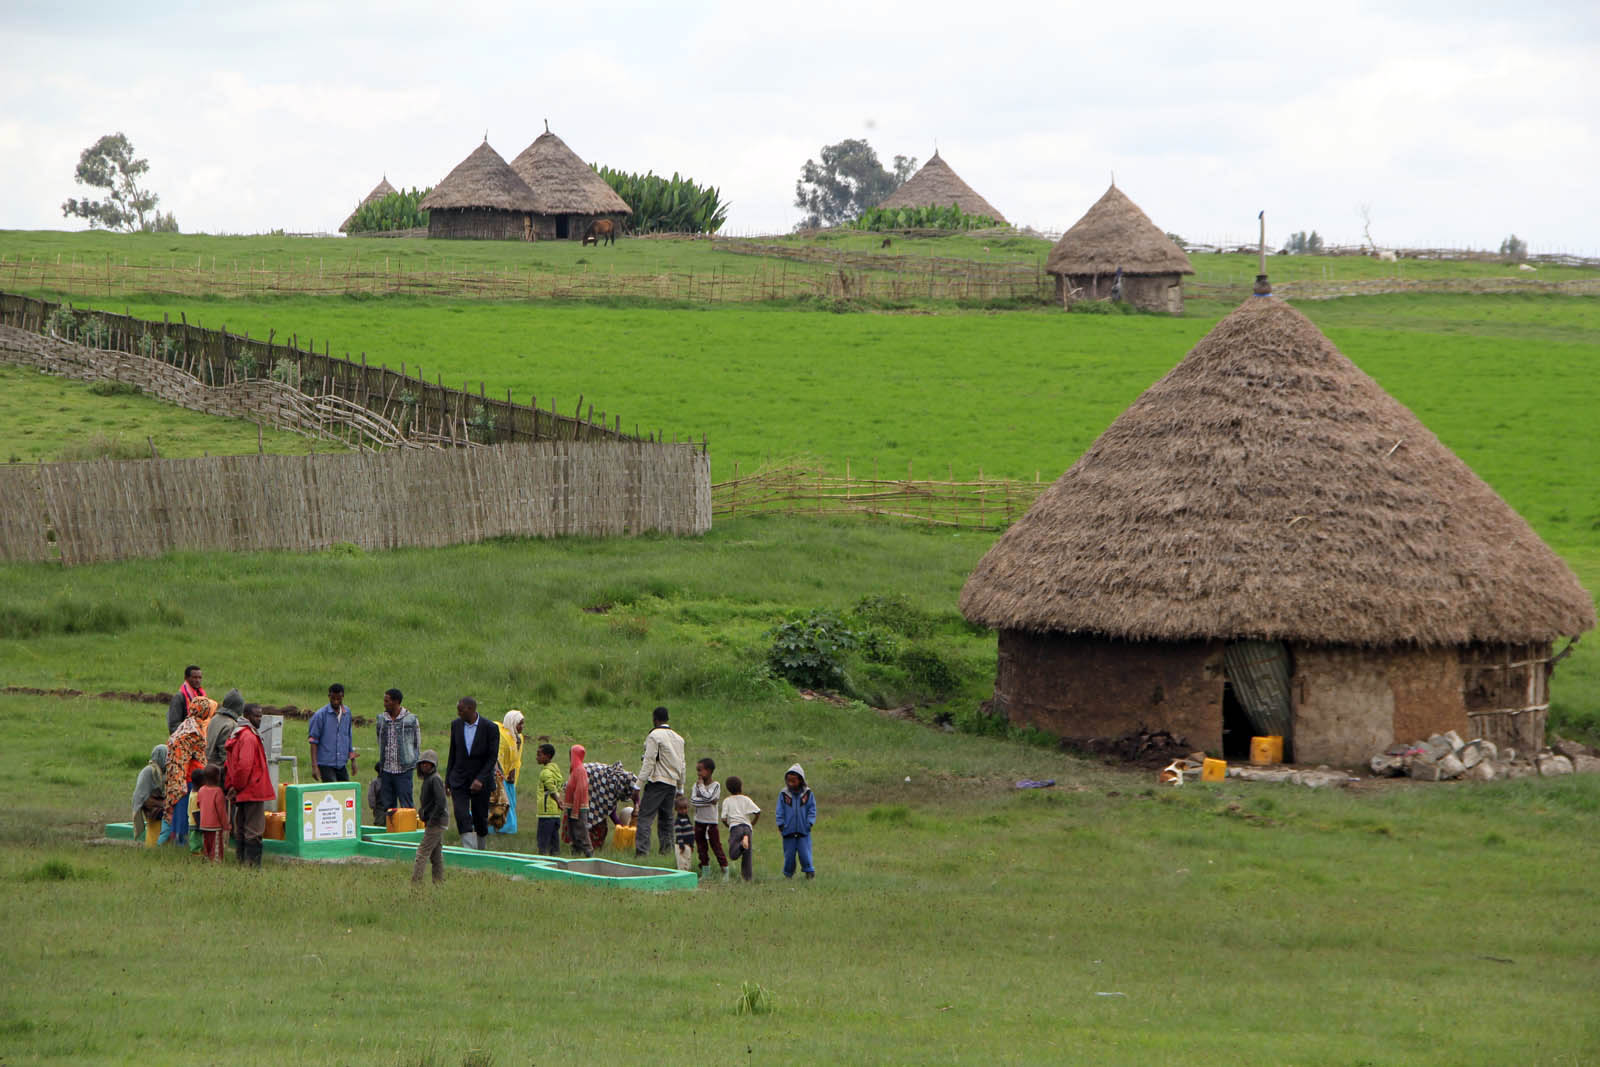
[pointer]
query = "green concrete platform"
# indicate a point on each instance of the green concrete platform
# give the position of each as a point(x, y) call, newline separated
point(323, 823)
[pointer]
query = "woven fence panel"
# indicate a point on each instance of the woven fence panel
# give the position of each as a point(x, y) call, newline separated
point(107, 510)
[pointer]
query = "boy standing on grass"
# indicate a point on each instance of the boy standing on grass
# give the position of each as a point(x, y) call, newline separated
point(797, 813)
point(683, 833)
point(213, 813)
point(741, 815)
point(705, 798)
point(551, 785)
point(434, 811)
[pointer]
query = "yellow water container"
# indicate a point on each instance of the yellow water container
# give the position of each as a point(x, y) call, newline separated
point(1213, 770)
point(402, 820)
point(274, 830)
point(152, 832)
point(1266, 749)
point(283, 790)
point(624, 838)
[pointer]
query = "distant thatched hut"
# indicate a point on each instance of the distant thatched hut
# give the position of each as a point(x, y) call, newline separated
point(1115, 235)
point(379, 191)
point(482, 199)
point(1267, 542)
point(568, 194)
point(936, 185)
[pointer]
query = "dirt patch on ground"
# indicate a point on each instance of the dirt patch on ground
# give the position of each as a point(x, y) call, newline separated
point(288, 711)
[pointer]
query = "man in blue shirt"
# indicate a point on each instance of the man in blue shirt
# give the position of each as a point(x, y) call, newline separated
point(330, 737)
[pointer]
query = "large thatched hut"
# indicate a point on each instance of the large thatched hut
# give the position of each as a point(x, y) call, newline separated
point(936, 185)
point(379, 191)
point(1115, 236)
point(568, 194)
point(1267, 542)
point(482, 199)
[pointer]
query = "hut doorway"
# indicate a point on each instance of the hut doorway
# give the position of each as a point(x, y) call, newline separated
point(1258, 674)
point(563, 227)
point(1236, 728)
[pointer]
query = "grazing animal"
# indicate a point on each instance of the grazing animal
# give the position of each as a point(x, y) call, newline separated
point(886, 243)
point(1387, 255)
point(601, 231)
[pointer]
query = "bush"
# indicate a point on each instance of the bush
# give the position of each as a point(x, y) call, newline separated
point(397, 211)
point(895, 613)
point(928, 671)
point(115, 389)
point(1514, 249)
point(808, 651)
point(921, 218)
point(667, 205)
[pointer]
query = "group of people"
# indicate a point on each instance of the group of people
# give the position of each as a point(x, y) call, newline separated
point(210, 781)
point(212, 776)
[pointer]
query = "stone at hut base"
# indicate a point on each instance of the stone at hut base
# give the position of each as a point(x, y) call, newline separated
point(1490, 752)
point(1454, 739)
point(1423, 771)
point(1482, 771)
point(1387, 766)
point(1470, 755)
point(1438, 747)
point(1570, 749)
point(1516, 769)
point(1450, 767)
point(1586, 764)
point(1550, 766)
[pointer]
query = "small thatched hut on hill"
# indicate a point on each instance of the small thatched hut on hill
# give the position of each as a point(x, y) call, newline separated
point(379, 191)
point(482, 199)
point(936, 185)
point(1267, 542)
point(568, 194)
point(1115, 235)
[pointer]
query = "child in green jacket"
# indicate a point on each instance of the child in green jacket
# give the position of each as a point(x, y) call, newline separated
point(551, 785)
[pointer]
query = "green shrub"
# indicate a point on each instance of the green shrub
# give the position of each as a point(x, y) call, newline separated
point(667, 205)
point(397, 211)
point(929, 671)
point(893, 612)
point(102, 446)
point(809, 650)
point(115, 389)
point(930, 217)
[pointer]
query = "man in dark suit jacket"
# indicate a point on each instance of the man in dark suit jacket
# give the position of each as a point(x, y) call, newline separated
point(469, 775)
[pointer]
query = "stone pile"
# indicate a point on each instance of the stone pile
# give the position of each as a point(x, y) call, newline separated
point(1443, 757)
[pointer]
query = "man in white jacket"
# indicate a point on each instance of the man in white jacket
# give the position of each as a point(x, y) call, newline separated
point(661, 779)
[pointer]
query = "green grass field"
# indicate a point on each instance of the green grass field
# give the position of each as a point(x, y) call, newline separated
point(955, 918)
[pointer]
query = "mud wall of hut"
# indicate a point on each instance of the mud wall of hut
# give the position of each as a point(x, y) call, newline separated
point(1350, 703)
point(477, 224)
point(1081, 687)
point(550, 227)
point(1152, 292)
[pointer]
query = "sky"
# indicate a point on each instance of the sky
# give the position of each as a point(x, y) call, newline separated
point(1452, 124)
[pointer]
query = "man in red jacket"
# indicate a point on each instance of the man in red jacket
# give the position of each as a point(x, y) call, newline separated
point(249, 785)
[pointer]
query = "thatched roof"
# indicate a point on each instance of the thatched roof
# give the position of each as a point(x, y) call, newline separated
point(379, 191)
point(482, 180)
point(1267, 488)
point(562, 183)
point(1115, 233)
point(936, 185)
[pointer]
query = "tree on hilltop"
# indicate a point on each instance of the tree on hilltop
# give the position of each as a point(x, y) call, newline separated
point(848, 181)
point(109, 164)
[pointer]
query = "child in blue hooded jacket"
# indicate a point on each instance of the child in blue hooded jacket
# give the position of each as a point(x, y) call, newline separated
point(796, 813)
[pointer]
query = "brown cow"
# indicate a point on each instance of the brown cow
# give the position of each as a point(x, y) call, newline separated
point(601, 231)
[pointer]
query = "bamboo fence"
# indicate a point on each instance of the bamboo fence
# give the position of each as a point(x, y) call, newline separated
point(105, 510)
point(982, 503)
point(278, 381)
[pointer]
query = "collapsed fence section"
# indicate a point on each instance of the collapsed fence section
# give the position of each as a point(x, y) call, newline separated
point(982, 503)
point(109, 510)
point(402, 404)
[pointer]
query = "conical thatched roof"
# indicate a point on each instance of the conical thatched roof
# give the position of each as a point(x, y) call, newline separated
point(482, 180)
point(1267, 488)
point(564, 184)
point(936, 185)
point(1115, 233)
point(379, 191)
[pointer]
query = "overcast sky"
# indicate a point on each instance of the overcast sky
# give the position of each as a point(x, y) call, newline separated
point(1458, 123)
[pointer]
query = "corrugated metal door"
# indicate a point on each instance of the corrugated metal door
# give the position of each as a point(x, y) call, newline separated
point(1259, 673)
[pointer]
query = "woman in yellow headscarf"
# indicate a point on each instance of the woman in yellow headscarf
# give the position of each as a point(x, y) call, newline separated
point(510, 767)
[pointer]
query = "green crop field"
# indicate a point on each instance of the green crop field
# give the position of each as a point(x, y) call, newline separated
point(955, 918)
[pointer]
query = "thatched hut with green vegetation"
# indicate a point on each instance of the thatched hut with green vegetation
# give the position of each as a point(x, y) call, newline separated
point(1266, 542)
point(568, 195)
point(936, 185)
point(1116, 251)
point(379, 191)
point(482, 199)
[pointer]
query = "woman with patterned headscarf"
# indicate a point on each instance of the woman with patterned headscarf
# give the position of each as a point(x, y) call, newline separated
point(186, 751)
